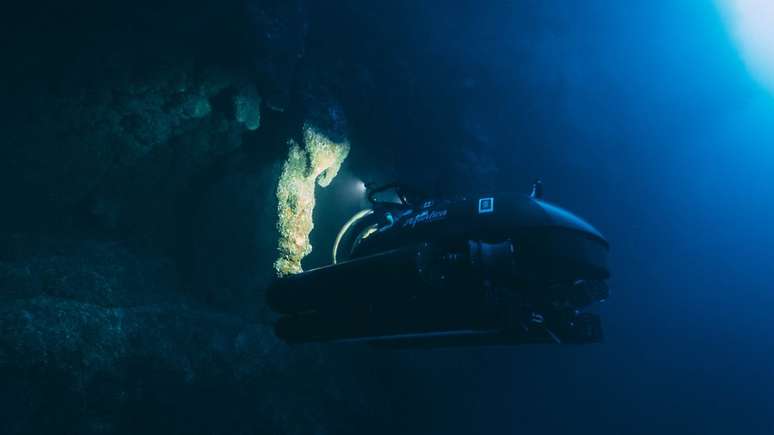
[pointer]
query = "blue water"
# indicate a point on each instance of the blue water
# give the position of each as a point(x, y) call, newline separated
point(646, 120)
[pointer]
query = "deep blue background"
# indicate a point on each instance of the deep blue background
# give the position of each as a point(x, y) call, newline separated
point(642, 117)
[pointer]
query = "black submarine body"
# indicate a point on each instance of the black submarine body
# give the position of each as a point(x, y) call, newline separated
point(501, 269)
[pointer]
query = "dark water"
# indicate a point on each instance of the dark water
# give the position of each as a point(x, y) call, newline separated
point(644, 117)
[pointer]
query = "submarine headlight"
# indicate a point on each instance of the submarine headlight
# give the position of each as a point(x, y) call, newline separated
point(360, 186)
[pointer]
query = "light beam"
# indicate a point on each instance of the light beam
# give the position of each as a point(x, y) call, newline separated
point(752, 24)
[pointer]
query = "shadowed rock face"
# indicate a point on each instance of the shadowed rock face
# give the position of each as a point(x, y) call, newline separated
point(142, 143)
point(95, 340)
point(115, 112)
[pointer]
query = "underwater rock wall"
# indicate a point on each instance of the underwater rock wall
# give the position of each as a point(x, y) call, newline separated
point(142, 144)
point(114, 112)
point(81, 352)
point(314, 164)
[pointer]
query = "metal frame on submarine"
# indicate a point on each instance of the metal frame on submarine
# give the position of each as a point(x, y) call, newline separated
point(500, 269)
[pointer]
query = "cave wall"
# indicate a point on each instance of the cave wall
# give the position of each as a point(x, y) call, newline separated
point(142, 143)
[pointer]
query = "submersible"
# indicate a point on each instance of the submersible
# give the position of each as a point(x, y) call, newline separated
point(500, 269)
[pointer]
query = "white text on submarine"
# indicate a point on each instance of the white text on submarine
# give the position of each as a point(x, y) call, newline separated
point(426, 216)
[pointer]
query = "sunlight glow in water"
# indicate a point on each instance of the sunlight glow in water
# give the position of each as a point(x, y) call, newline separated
point(752, 24)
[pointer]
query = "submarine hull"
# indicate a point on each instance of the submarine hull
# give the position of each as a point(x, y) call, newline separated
point(455, 274)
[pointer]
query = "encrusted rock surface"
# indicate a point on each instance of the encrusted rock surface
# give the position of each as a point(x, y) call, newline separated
point(94, 339)
point(142, 144)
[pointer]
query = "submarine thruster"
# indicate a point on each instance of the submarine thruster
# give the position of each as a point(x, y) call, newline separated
point(489, 270)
